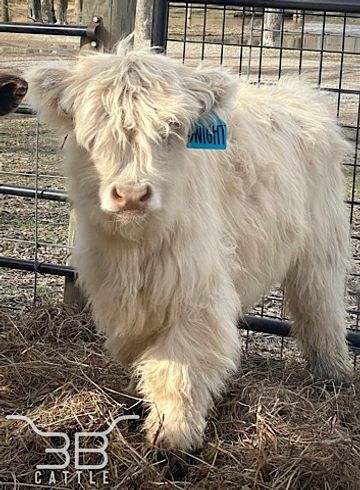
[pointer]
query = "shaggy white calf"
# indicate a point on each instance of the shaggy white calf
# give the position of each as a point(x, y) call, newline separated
point(174, 244)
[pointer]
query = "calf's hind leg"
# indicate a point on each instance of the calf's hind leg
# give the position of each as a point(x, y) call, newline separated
point(315, 294)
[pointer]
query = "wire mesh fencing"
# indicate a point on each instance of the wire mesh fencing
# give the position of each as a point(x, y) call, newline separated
point(31, 229)
point(34, 214)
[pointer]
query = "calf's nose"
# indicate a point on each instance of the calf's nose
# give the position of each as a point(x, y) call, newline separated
point(131, 198)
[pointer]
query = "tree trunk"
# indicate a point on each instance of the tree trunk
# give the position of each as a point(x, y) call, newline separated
point(297, 16)
point(35, 10)
point(5, 11)
point(78, 11)
point(272, 27)
point(48, 11)
point(118, 19)
point(189, 15)
point(61, 7)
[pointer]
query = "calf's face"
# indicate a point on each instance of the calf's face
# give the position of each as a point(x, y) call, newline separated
point(132, 113)
point(12, 91)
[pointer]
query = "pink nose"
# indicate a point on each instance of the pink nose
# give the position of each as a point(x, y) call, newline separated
point(131, 197)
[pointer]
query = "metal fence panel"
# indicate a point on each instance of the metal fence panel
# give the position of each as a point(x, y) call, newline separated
point(33, 214)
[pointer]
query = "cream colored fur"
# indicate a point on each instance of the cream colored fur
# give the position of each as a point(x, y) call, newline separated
point(167, 289)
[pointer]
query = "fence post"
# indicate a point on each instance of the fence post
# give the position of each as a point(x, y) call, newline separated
point(73, 296)
point(189, 14)
point(159, 24)
point(272, 27)
point(48, 12)
point(143, 20)
point(61, 11)
point(118, 18)
point(78, 7)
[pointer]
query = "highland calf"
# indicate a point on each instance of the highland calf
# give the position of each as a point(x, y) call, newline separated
point(174, 243)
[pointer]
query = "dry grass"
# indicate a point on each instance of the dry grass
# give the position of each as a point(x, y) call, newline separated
point(275, 428)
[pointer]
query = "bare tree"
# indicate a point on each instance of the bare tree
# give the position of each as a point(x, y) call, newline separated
point(34, 7)
point(48, 11)
point(78, 11)
point(297, 16)
point(272, 27)
point(189, 15)
point(5, 11)
point(61, 7)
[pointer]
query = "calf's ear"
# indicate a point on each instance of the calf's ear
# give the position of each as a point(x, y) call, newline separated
point(214, 89)
point(50, 94)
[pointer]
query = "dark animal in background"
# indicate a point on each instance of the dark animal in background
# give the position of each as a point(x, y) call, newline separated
point(12, 90)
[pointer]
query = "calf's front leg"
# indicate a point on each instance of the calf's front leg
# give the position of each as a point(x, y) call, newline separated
point(180, 373)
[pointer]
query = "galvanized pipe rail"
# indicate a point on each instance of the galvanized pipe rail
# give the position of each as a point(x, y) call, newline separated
point(89, 31)
point(22, 191)
point(56, 195)
point(252, 323)
point(40, 267)
point(26, 110)
point(282, 328)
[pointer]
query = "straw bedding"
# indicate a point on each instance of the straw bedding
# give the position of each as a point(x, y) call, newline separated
point(275, 428)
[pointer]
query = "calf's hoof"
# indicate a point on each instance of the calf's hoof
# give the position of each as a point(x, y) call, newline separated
point(174, 431)
point(174, 466)
point(334, 372)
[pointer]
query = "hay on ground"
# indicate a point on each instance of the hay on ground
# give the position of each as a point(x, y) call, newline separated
point(274, 429)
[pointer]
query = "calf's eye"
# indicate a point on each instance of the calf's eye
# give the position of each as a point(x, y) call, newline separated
point(175, 125)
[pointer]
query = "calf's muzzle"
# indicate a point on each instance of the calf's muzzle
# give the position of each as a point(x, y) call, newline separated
point(131, 197)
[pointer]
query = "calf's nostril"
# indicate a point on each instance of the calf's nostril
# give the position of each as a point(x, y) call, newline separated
point(146, 195)
point(21, 91)
point(126, 198)
point(117, 194)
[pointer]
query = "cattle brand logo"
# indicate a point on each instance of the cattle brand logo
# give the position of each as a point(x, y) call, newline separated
point(208, 136)
point(55, 474)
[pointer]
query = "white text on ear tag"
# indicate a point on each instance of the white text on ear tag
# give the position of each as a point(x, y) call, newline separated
point(211, 135)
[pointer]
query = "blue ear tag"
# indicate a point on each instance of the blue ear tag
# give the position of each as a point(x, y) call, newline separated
point(210, 135)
